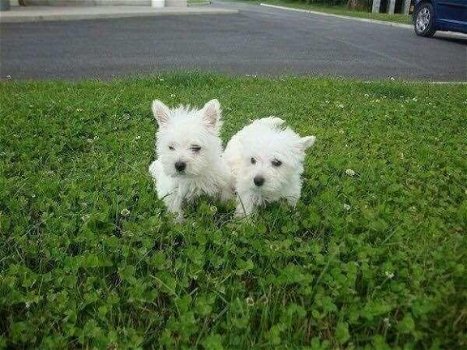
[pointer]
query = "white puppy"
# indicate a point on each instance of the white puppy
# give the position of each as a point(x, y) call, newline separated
point(189, 155)
point(266, 161)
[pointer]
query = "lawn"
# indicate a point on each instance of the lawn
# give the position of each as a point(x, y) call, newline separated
point(337, 10)
point(89, 258)
point(198, 2)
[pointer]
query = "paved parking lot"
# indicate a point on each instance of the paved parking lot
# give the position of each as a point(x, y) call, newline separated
point(257, 40)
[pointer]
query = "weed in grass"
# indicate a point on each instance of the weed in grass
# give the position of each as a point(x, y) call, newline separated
point(90, 258)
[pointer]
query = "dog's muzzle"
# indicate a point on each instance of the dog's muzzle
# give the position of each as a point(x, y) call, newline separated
point(258, 180)
point(180, 166)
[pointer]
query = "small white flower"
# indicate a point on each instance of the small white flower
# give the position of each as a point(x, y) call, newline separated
point(392, 78)
point(366, 95)
point(327, 101)
point(347, 207)
point(172, 95)
point(138, 137)
point(28, 304)
point(96, 137)
point(415, 99)
point(33, 195)
point(79, 109)
point(340, 105)
point(250, 301)
point(386, 322)
point(389, 275)
point(350, 172)
point(8, 76)
point(125, 212)
point(161, 79)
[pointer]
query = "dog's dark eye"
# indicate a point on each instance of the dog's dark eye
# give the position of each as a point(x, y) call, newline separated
point(195, 148)
point(253, 160)
point(171, 148)
point(276, 163)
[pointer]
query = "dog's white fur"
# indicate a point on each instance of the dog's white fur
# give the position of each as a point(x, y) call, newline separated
point(181, 131)
point(266, 141)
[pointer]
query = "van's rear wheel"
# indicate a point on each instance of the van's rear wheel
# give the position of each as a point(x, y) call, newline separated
point(424, 22)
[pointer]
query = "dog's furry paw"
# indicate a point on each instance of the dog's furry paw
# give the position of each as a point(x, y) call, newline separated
point(240, 213)
point(179, 218)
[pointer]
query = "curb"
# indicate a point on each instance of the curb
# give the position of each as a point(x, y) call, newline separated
point(391, 24)
point(90, 16)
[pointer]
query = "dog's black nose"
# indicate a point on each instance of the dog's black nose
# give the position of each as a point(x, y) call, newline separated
point(258, 180)
point(180, 166)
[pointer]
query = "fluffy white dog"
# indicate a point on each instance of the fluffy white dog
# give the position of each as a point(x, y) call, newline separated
point(266, 161)
point(189, 155)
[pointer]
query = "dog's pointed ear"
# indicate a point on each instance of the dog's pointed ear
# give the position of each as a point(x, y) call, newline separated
point(306, 142)
point(161, 112)
point(212, 113)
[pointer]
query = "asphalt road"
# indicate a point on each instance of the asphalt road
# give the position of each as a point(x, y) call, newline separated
point(257, 40)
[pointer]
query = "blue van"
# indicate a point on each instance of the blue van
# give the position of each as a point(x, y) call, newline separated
point(432, 15)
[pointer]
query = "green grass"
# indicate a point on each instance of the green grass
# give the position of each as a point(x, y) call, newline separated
point(89, 258)
point(198, 2)
point(338, 10)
